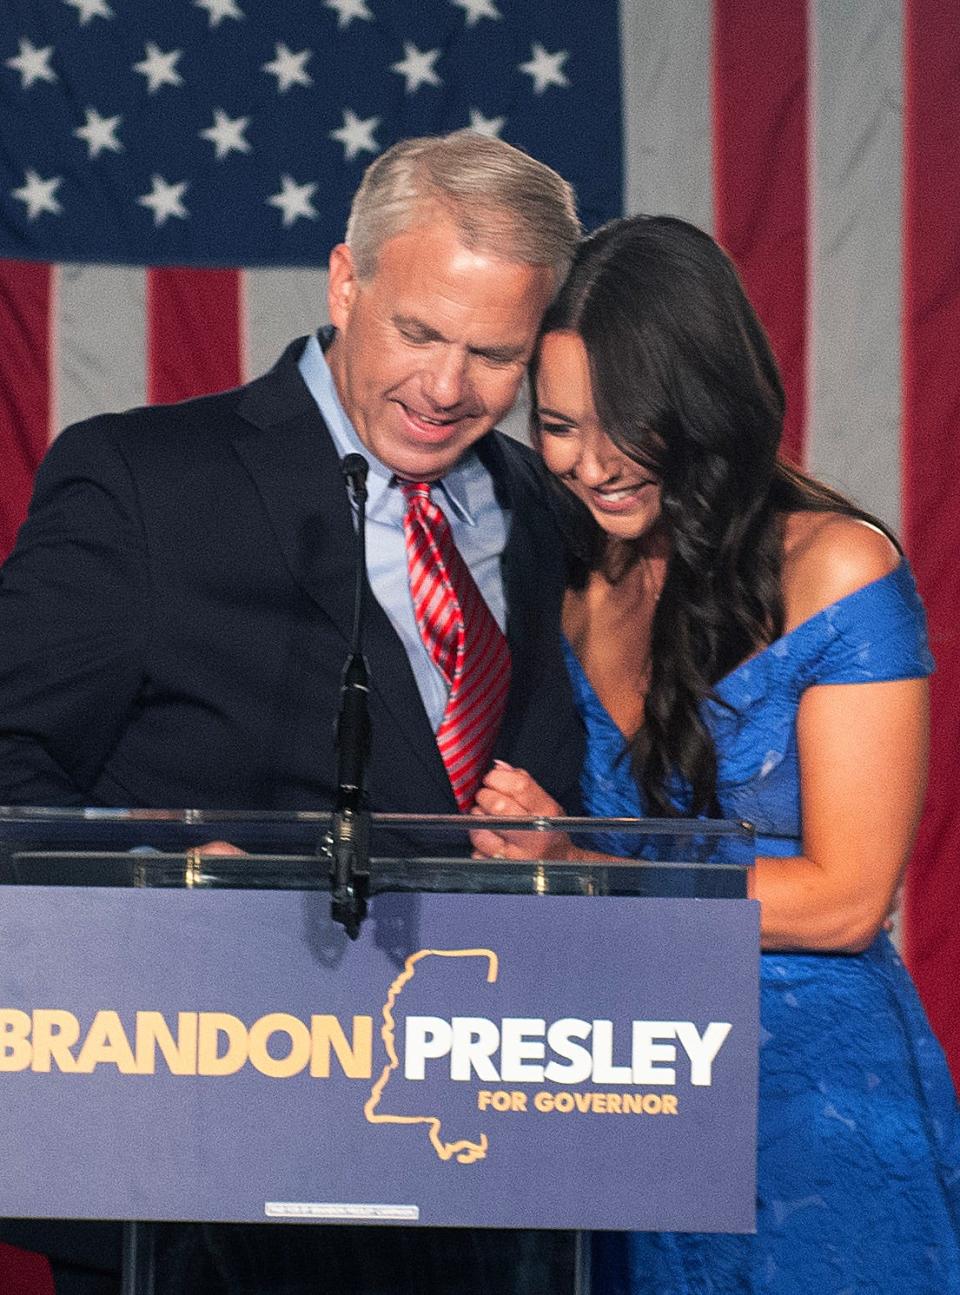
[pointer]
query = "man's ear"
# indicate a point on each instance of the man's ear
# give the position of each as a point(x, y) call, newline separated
point(341, 285)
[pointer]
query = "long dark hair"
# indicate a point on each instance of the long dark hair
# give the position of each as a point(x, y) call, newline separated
point(685, 383)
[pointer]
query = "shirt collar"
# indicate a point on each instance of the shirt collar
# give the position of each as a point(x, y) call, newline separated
point(459, 484)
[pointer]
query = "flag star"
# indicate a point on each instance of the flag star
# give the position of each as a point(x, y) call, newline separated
point(158, 67)
point(220, 9)
point(289, 68)
point(416, 67)
point(294, 200)
point(348, 9)
point(546, 69)
point(33, 64)
point(98, 133)
point(474, 10)
point(165, 199)
point(38, 194)
point(356, 136)
point(226, 133)
point(491, 126)
point(90, 9)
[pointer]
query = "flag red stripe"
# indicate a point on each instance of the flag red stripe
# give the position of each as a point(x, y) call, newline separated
point(931, 470)
point(194, 333)
point(22, 1272)
point(26, 306)
point(760, 93)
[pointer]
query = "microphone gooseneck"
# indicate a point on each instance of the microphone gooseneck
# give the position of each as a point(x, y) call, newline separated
point(350, 845)
point(355, 468)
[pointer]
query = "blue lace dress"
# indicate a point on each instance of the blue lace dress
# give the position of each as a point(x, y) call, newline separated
point(858, 1188)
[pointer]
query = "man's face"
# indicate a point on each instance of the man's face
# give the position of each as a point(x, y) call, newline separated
point(430, 349)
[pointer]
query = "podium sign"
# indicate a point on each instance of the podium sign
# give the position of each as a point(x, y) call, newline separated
point(482, 1060)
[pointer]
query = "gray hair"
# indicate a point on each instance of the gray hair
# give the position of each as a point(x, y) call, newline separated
point(499, 198)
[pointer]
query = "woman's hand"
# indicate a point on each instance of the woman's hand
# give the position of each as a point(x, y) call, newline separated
point(508, 792)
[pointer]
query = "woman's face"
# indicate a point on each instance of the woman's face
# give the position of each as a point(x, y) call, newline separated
point(623, 496)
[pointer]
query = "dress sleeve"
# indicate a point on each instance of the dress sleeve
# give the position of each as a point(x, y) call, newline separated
point(878, 633)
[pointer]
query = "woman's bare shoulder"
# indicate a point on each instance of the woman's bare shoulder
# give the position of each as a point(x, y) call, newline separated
point(828, 556)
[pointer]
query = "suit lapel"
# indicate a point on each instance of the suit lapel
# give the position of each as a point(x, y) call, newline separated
point(288, 452)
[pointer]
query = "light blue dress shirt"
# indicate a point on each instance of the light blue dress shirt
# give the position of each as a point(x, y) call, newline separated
point(466, 495)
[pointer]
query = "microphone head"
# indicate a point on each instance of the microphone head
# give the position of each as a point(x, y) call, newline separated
point(354, 468)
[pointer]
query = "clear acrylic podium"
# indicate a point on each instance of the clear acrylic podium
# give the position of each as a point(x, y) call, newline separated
point(290, 850)
point(132, 849)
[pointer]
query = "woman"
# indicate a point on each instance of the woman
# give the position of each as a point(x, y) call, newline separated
point(742, 642)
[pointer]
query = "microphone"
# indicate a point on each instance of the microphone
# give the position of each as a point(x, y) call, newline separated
point(349, 871)
point(355, 468)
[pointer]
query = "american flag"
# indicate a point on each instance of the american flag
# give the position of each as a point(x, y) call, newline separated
point(173, 175)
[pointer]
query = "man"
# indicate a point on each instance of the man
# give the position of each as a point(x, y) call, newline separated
point(175, 616)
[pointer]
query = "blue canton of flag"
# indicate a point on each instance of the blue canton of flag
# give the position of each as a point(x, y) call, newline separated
point(234, 132)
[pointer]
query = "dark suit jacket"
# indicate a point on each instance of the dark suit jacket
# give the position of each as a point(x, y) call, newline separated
point(175, 617)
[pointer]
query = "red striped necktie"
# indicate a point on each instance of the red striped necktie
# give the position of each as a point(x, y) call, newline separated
point(463, 639)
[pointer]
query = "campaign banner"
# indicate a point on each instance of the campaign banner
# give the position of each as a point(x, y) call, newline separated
point(471, 1060)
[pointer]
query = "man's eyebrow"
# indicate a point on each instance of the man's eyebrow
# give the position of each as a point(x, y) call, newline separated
point(499, 352)
point(411, 324)
point(414, 325)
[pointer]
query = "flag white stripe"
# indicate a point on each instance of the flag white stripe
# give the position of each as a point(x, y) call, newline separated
point(281, 305)
point(665, 72)
point(854, 390)
point(99, 326)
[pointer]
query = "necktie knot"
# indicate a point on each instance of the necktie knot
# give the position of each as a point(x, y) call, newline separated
point(415, 492)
